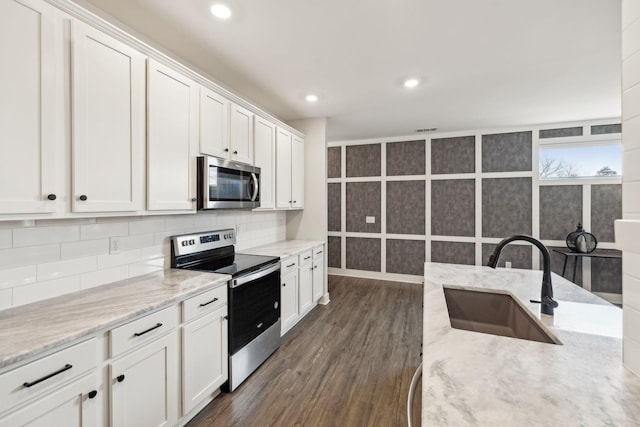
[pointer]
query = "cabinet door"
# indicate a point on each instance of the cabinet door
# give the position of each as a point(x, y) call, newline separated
point(172, 137)
point(283, 169)
point(305, 289)
point(297, 172)
point(289, 302)
point(204, 358)
point(74, 405)
point(214, 123)
point(28, 132)
point(318, 279)
point(241, 134)
point(144, 385)
point(108, 112)
point(264, 158)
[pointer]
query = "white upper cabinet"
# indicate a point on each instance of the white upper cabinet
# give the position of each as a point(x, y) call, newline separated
point(28, 133)
point(241, 134)
point(214, 123)
point(297, 172)
point(289, 170)
point(108, 116)
point(264, 155)
point(172, 108)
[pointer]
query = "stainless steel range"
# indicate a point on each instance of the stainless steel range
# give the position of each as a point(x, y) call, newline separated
point(253, 296)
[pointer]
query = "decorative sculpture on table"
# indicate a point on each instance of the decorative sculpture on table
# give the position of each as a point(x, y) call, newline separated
point(581, 241)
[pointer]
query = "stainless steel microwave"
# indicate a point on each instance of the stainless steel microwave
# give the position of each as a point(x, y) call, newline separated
point(224, 184)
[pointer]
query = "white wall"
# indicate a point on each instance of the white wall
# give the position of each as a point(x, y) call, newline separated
point(42, 259)
point(628, 231)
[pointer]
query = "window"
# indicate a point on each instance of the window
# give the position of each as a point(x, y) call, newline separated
point(599, 159)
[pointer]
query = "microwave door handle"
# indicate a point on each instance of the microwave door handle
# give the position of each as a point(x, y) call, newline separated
point(255, 187)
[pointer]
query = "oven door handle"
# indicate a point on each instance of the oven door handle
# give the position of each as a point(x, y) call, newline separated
point(255, 275)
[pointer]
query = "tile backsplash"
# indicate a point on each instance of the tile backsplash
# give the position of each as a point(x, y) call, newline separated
point(41, 259)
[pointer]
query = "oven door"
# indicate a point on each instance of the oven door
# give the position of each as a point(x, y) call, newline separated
point(254, 305)
point(223, 184)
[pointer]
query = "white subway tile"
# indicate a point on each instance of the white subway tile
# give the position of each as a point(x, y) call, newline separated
point(111, 219)
point(45, 235)
point(146, 267)
point(84, 248)
point(630, 12)
point(64, 221)
point(205, 221)
point(152, 252)
point(631, 319)
point(631, 39)
point(631, 71)
point(630, 198)
point(631, 134)
point(5, 238)
point(129, 243)
point(631, 355)
point(181, 223)
point(146, 226)
point(128, 257)
point(103, 230)
point(19, 276)
point(227, 219)
point(6, 298)
point(631, 291)
point(162, 238)
point(102, 277)
point(17, 224)
point(631, 102)
point(631, 264)
point(58, 269)
point(43, 290)
point(28, 256)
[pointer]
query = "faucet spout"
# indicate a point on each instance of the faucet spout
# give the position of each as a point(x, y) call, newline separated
point(547, 303)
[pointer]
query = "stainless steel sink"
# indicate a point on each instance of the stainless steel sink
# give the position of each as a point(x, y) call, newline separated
point(493, 313)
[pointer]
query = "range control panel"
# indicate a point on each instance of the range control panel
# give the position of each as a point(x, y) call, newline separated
point(192, 243)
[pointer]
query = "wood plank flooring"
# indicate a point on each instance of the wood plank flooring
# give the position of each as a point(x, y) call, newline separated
point(348, 363)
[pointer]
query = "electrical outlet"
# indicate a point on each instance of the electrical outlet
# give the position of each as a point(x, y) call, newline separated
point(115, 245)
point(507, 264)
point(370, 219)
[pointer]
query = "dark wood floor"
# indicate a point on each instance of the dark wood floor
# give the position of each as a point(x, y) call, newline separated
point(348, 363)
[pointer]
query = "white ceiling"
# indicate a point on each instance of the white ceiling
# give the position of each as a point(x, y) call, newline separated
point(483, 64)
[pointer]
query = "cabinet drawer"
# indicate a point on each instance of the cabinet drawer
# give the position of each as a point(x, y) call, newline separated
point(288, 265)
point(142, 330)
point(204, 303)
point(318, 251)
point(305, 257)
point(45, 374)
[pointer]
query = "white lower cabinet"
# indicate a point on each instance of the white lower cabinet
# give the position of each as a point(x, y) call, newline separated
point(289, 301)
point(318, 278)
point(305, 284)
point(144, 385)
point(204, 357)
point(74, 405)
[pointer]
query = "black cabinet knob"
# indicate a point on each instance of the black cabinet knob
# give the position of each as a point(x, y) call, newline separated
point(120, 378)
point(235, 152)
point(193, 199)
point(51, 196)
point(226, 150)
point(284, 284)
point(83, 197)
point(92, 394)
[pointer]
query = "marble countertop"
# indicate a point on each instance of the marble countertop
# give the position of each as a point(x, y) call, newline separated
point(477, 379)
point(28, 330)
point(283, 249)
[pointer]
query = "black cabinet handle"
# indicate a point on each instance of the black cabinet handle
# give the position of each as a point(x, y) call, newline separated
point(120, 378)
point(295, 201)
point(207, 303)
point(319, 252)
point(92, 394)
point(138, 334)
point(51, 196)
point(53, 374)
point(226, 150)
point(307, 257)
point(235, 151)
point(83, 197)
point(291, 265)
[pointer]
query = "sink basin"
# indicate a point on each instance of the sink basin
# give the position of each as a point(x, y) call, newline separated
point(494, 313)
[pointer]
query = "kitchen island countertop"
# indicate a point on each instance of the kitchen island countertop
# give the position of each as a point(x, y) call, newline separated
point(284, 248)
point(471, 378)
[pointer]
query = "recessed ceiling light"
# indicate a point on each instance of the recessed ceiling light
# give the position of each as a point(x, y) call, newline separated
point(221, 11)
point(411, 83)
point(311, 98)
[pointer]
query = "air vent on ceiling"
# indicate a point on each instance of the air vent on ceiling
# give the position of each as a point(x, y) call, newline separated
point(426, 130)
